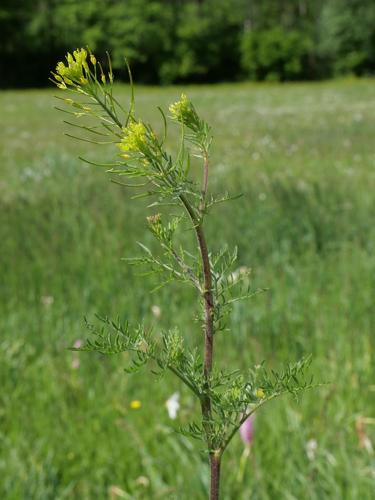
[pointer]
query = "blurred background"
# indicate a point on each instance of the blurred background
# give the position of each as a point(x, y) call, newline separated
point(191, 40)
point(74, 426)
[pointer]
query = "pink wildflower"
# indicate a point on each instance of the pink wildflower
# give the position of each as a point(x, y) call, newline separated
point(247, 431)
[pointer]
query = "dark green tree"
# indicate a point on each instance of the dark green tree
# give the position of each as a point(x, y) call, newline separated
point(347, 36)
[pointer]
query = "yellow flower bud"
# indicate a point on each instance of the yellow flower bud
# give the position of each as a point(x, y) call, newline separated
point(260, 393)
point(154, 219)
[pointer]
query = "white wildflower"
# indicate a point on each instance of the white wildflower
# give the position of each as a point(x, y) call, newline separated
point(173, 405)
point(240, 274)
point(47, 300)
point(143, 481)
point(311, 447)
point(156, 311)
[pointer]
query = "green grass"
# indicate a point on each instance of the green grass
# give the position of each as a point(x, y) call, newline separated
point(303, 156)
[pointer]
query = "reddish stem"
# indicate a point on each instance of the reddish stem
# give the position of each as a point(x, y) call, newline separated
point(208, 300)
point(215, 462)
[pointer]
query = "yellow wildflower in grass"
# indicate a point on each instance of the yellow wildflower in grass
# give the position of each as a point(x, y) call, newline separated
point(260, 393)
point(135, 138)
point(135, 404)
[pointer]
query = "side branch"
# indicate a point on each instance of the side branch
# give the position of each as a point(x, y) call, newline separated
point(202, 204)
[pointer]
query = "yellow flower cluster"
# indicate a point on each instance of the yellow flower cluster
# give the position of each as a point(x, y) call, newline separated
point(75, 72)
point(180, 108)
point(184, 112)
point(134, 139)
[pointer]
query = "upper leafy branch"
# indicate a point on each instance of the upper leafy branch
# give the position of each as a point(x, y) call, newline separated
point(142, 155)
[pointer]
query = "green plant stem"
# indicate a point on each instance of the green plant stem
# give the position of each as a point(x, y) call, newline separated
point(107, 110)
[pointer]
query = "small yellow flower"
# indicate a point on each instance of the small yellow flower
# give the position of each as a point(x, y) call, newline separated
point(80, 56)
point(93, 59)
point(135, 404)
point(134, 139)
point(76, 71)
point(260, 393)
point(184, 112)
point(180, 108)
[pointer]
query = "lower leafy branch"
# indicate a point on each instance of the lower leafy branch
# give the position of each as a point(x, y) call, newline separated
point(233, 396)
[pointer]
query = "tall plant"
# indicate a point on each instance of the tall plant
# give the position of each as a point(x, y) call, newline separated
point(227, 398)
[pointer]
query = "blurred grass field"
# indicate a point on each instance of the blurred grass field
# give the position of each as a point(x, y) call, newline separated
point(303, 156)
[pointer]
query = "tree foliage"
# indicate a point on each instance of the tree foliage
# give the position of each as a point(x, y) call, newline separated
point(169, 41)
point(347, 36)
point(276, 54)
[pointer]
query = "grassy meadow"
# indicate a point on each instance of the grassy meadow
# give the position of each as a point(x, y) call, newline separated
point(303, 156)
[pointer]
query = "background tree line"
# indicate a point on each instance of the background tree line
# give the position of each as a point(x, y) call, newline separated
point(191, 40)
